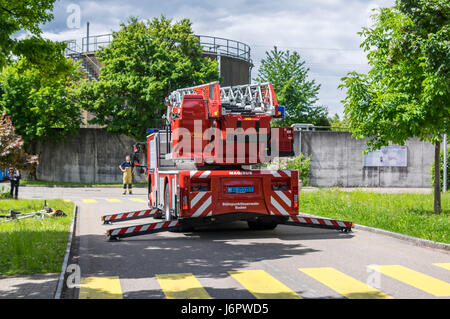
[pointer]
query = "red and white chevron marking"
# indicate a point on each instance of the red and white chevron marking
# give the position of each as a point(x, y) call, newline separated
point(320, 221)
point(141, 228)
point(139, 213)
point(281, 203)
point(200, 174)
point(201, 204)
point(280, 173)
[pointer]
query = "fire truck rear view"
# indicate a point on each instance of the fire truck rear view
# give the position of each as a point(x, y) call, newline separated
point(200, 166)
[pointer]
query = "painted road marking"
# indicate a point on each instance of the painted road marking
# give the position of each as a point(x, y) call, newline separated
point(416, 279)
point(89, 201)
point(347, 286)
point(262, 285)
point(136, 199)
point(113, 200)
point(443, 265)
point(181, 286)
point(100, 288)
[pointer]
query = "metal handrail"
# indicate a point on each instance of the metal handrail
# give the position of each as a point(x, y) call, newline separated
point(74, 52)
point(211, 45)
point(226, 47)
point(93, 43)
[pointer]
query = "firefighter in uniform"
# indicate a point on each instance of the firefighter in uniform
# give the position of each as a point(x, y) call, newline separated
point(14, 177)
point(127, 169)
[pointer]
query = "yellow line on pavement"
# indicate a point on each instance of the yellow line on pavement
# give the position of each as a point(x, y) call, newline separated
point(136, 199)
point(347, 286)
point(181, 286)
point(100, 288)
point(262, 285)
point(89, 201)
point(113, 200)
point(443, 265)
point(416, 279)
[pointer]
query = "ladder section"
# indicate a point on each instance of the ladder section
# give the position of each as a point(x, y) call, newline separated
point(248, 99)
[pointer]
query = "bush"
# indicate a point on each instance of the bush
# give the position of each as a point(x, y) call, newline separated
point(442, 170)
point(4, 193)
point(301, 164)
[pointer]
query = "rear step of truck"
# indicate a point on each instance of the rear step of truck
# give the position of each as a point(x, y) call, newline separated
point(186, 224)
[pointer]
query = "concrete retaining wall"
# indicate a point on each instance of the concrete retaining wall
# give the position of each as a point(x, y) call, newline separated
point(337, 160)
point(91, 157)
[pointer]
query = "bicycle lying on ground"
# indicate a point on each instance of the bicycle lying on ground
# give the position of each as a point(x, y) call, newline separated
point(42, 214)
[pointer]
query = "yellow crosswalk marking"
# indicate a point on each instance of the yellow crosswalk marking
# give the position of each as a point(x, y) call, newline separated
point(100, 288)
point(443, 265)
point(136, 199)
point(416, 279)
point(347, 286)
point(181, 286)
point(89, 201)
point(262, 285)
point(113, 200)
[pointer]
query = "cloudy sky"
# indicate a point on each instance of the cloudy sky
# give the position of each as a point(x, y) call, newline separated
point(324, 32)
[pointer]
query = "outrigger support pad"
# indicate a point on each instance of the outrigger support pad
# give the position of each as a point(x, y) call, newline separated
point(120, 217)
point(303, 221)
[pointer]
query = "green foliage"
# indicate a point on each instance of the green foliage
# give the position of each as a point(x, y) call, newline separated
point(25, 15)
point(301, 164)
point(12, 155)
point(4, 193)
point(40, 100)
point(338, 123)
point(143, 63)
point(442, 170)
point(406, 93)
point(288, 74)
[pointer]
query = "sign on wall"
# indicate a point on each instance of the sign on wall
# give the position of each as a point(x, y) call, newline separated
point(393, 155)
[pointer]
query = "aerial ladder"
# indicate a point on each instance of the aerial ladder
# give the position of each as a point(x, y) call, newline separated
point(200, 167)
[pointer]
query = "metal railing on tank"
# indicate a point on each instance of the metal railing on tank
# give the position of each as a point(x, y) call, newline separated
point(225, 47)
point(211, 45)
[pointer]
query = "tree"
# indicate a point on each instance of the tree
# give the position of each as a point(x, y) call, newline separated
point(288, 74)
point(143, 63)
point(338, 123)
point(25, 15)
point(12, 154)
point(41, 101)
point(406, 92)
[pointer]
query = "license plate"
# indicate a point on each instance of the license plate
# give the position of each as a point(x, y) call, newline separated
point(240, 189)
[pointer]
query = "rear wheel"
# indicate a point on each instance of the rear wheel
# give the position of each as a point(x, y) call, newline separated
point(260, 225)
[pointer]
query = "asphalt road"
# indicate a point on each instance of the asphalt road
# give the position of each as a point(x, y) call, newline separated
point(231, 261)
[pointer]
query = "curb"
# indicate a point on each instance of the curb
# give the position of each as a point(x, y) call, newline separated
point(416, 241)
point(66, 257)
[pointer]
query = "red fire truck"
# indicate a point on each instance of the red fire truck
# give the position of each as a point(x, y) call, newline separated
point(200, 166)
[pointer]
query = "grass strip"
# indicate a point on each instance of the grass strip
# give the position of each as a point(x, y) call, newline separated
point(409, 214)
point(33, 245)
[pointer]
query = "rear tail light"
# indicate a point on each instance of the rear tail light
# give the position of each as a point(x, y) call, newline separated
point(295, 192)
point(184, 199)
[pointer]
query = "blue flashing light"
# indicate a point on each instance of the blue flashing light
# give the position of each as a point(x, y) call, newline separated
point(152, 130)
point(281, 112)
